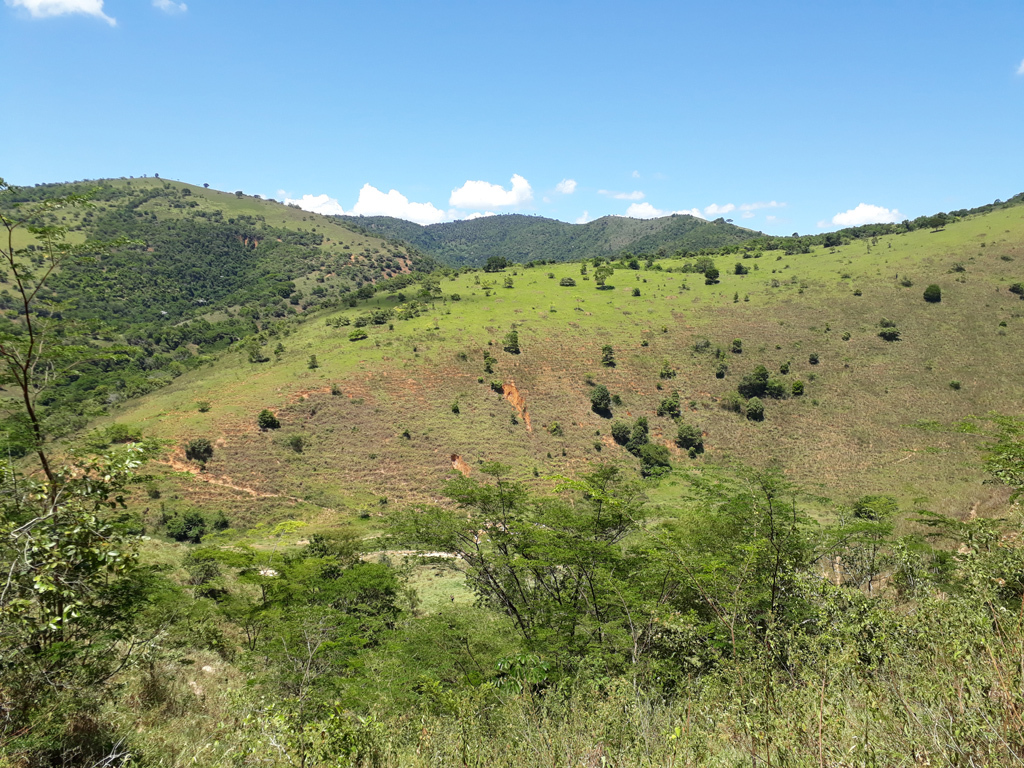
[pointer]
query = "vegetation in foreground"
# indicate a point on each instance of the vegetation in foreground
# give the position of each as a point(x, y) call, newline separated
point(502, 625)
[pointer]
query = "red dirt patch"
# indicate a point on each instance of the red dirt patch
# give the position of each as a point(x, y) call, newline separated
point(514, 396)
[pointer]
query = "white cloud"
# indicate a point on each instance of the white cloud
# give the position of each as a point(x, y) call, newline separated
point(328, 206)
point(1020, 69)
point(747, 214)
point(648, 211)
point(584, 218)
point(759, 206)
point(566, 186)
point(636, 174)
point(41, 9)
point(373, 202)
point(718, 210)
point(867, 214)
point(479, 215)
point(483, 194)
point(169, 6)
point(771, 218)
point(634, 195)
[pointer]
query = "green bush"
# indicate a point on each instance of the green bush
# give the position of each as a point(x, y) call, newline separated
point(798, 388)
point(267, 420)
point(775, 388)
point(654, 460)
point(667, 371)
point(600, 399)
point(755, 409)
point(889, 334)
point(933, 294)
point(556, 429)
point(636, 291)
point(754, 384)
point(607, 356)
point(356, 334)
point(721, 370)
point(669, 406)
point(621, 431)
point(568, 282)
point(954, 385)
point(688, 437)
point(813, 358)
point(1018, 289)
point(737, 346)
point(511, 342)
point(203, 406)
point(199, 449)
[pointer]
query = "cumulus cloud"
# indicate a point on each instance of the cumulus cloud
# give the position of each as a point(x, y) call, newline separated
point(483, 194)
point(636, 174)
point(41, 9)
point(566, 186)
point(867, 214)
point(328, 206)
point(747, 214)
point(584, 218)
point(648, 211)
point(373, 202)
point(479, 215)
point(634, 195)
point(169, 6)
point(718, 210)
point(1020, 69)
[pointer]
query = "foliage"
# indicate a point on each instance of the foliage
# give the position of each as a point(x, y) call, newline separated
point(601, 399)
point(567, 282)
point(607, 356)
point(755, 409)
point(199, 450)
point(690, 438)
point(267, 420)
point(511, 342)
point(933, 294)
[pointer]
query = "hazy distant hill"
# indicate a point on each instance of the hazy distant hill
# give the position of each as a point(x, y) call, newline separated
point(524, 238)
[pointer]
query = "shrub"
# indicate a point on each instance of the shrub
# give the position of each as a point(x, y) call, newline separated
point(455, 297)
point(667, 371)
point(203, 406)
point(703, 345)
point(556, 429)
point(813, 358)
point(638, 436)
point(621, 431)
point(356, 334)
point(886, 323)
point(511, 342)
point(798, 388)
point(670, 406)
point(607, 356)
point(933, 294)
point(199, 449)
point(775, 389)
point(741, 268)
point(1018, 289)
point(636, 291)
point(568, 282)
point(733, 402)
point(455, 408)
point(509, 283)
point(755, 409)
point(711, 276)
point(267, 420)
point(498, 386)
point(600, 399)
point(737, 346)
point(688, 437)
point(296, 442)
point(721, 370)
point(654, 460)
point(889, 334)
point(312, 363)
point(754, 384)
point(954, 385)
point(784, 368)
point(846, 335)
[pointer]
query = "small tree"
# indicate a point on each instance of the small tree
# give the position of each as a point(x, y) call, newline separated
point(636, 291)
point(737, 346)
point(654, 460)
point(511, 342)
point(567, 281)
point(798, 388)
point(312, 363)
point(689, 438)
point(601, 399)
point(509, 283)
point(933, 294)
point(755, 409)
point(711, 276)
point(607, 356)
point(199, 450)
point(267, 420)
point(621, 431)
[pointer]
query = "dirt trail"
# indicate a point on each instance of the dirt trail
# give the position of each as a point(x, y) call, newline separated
point(460, 464)
point(179, 465)
point(514, 396)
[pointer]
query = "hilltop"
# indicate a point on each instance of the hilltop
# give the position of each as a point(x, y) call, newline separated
point(519, 238)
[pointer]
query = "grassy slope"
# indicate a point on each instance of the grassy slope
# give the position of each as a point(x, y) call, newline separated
point(852, 433)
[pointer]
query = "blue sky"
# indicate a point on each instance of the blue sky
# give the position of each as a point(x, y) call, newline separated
point(783, 116)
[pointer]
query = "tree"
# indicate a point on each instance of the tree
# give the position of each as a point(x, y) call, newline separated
point(568, 282)
point(601, 400)
point(755, 409)
point(312, 363)
point(511, 342)
point(267, 420)
point(509, 283)
point(71, 589)
point(495, 264)
point(607, 356)
point(689, 438)
point(711, 276)
point(933, 294)
point(199, 450)
point(654, 460)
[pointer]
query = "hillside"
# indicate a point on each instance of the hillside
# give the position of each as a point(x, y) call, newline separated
point(194, 271)
point(520, 238)
point(876, 416)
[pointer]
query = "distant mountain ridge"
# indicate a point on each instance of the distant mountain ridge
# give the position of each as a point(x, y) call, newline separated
point(521, 238)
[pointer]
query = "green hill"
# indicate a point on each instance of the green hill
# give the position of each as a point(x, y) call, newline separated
point(519, 238)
